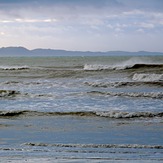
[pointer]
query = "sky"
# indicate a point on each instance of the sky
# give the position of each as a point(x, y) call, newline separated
point(82, 25)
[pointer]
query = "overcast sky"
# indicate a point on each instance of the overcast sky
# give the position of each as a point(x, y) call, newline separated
point(87, 25)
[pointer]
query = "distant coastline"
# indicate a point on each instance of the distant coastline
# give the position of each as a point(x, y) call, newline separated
point(22, 51)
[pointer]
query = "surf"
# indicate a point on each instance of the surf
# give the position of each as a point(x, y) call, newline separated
point(114, 114)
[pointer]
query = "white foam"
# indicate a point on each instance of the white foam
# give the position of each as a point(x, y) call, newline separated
point(14, 67)
point(119, 114)
point(96, 67)
point(147, 77)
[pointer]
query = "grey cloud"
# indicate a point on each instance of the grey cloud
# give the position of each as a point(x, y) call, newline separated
point(55, 8)
point(6, 5)
point(63, 2)
point(147, 5)
point(125, 4)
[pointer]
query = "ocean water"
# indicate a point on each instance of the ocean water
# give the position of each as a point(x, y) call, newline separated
point(81, 109)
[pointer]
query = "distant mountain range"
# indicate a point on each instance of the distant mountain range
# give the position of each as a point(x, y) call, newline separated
point(21, 51)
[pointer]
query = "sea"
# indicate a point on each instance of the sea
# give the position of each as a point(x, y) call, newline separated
point(81, 109)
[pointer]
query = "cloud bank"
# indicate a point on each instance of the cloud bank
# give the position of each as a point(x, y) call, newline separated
point(82, 24)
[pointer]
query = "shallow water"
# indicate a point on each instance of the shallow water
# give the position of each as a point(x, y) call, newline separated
point(81, 138)
point(81, 108)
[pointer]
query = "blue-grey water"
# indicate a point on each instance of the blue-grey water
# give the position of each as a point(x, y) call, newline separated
point(81, 109)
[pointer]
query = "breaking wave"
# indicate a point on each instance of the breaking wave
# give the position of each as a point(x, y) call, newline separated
point(106, 114)
point(132, 63)
point(119, 114)
point(135, 66)
point(147, 77)
point(156, 95)
point(97, 145)
point(14, 67)
point(96, 67)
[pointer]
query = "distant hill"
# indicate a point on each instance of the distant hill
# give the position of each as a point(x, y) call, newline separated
point(21, 51)
point(14, 51)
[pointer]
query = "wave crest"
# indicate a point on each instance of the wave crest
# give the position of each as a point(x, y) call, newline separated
point(14, 67)
point(123, 84)
point(97, 145)
point(147, 77)
point(156, 95)
point(119, 114)
point(8, 93)
point(106, 114)
point(96, 67)
point(132, 63)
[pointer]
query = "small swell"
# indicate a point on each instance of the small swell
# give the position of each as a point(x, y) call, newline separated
point(8, 93)
point(139, 146)
point(155, 95)
point(106, 114)
point(105, 85)
point(11, 149)
point(21, 83)
point(123, 84)
point(12, 93)
point(36, 113)
point(12, 113)
point(11, 82)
